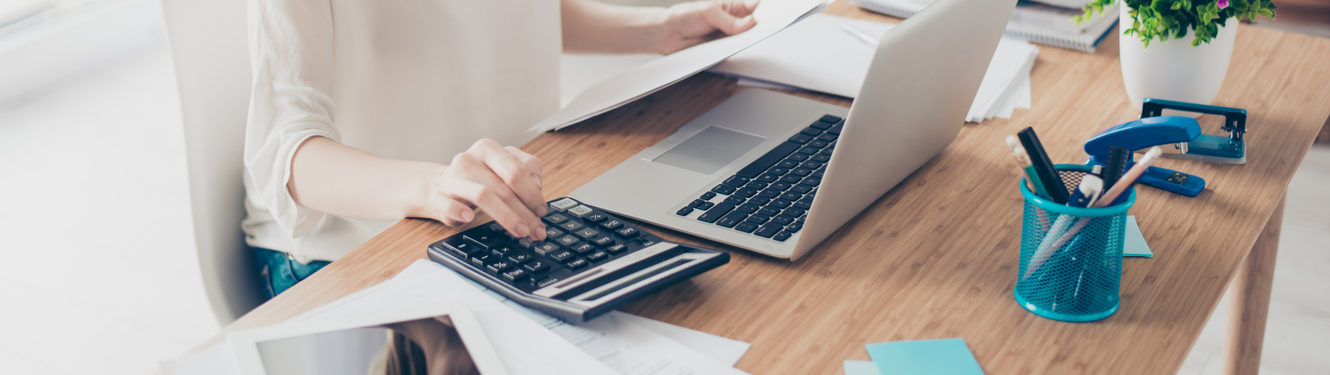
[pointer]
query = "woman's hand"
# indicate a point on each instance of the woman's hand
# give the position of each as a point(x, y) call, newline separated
point(689, 24)
point(502, 181)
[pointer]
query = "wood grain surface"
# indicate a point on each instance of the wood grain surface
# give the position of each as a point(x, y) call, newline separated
point(936, 256)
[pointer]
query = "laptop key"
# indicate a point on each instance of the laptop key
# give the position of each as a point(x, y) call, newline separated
point(822, 124)
point(767, 230)
point(793, 212)
point(696, 203)
point(723, 189)
point(684, 211)
point(818, 144)
point(781, 203)
point(799, 157)
point(802, 189)
point(767, 160)
point(794, 228)
point(788, 164)
point(768, 177)
point(716, 212)
point(756, 185)
point(735, 200)
point(730, 220)
point(822, 158)
point(780, 186)
point(802, 171)
point(736, 181)
point(835, 129)
point(827, 137)
point(802, 205)
point(791, 196)
point(705, 206)
point(782, 220)
point(829, 118)
point(770, 193)
point(782, 236)
point(746, 227)
point(759, 200)
point(708, 195)
point(745, 192)
point(801, 138)
point(812, 181)
point(809, 150)
point(768, 211)
point(778, 171)
point(748, 208)
point(812, 131)
point(758, 219)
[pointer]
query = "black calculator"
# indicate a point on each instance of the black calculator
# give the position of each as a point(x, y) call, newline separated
point(589, 264)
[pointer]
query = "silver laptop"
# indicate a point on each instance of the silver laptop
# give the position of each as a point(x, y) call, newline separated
point(759, 171)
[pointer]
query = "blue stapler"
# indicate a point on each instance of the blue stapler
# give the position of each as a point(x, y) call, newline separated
point(1224, 149)
point(1168, 132)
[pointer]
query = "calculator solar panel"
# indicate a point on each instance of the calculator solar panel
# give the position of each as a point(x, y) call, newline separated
point(590, 263)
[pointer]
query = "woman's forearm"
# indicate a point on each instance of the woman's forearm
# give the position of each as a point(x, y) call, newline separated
point(333, 178)
point(593, 27)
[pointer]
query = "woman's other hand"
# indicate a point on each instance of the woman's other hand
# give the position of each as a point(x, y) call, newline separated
point(693, 23)
point(502, 181)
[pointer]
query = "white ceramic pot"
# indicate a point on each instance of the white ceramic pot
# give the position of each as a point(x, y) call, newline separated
point(1173, 69)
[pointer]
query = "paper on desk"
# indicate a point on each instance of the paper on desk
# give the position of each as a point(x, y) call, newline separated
point(1134, 244)
point(935, 357)
point(771, 15)
point(623, 346)
point(722, 349)
point(816, 54)
point(861, 368)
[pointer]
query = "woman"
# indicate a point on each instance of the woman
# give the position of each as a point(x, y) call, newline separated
point(366, 112)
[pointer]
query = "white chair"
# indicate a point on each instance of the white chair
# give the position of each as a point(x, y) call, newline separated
point(209, 43)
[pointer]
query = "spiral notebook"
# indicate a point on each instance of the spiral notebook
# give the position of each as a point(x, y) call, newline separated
point(1038, 23)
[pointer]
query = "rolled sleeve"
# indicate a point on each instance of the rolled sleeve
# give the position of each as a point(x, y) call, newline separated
point(291, 57)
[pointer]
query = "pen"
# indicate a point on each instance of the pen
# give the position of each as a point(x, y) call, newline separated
point(1048, 174)
point(858, 34)
point(1023, 161)
point(1090, 188)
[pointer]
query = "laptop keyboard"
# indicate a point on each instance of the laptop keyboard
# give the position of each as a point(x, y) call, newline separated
point(770, 197)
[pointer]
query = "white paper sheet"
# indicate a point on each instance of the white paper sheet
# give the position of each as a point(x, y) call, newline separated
point(817, 54)
point(722, 349)
point(616, 343)
point(630, 85)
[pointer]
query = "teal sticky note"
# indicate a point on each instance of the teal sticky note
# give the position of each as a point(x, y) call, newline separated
point(933, 357)
point(1134, 244)
point(861, 368)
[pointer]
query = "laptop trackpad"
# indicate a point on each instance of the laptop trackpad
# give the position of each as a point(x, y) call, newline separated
point(709, 150)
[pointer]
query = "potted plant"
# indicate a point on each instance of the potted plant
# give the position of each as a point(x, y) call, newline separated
point(1159, 61)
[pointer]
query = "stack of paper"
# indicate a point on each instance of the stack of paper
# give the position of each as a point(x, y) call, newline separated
point(527, 341)
point(823, 54)
point(1040, 23)
point(937, 357)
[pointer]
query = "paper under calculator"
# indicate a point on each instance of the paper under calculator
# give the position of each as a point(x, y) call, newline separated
point(589, 264)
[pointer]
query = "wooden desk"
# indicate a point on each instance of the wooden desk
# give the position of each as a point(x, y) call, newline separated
point(936, 256)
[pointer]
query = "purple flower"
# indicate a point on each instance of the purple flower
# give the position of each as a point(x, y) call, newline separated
point(1222, 3)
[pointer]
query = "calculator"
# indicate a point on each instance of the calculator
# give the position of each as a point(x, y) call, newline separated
point(589, 264)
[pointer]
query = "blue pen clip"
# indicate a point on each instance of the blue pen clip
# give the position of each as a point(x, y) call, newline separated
point(1169, 132)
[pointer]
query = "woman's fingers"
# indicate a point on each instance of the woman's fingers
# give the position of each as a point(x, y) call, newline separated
point(533, 167)
point(718, 17)
point(512, 172)
point(487, 198)
point(453, 213)
point(740, 8)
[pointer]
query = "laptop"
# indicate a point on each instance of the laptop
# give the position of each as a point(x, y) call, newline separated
point(777, 174)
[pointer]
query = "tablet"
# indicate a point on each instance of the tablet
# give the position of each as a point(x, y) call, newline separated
point(436, 339)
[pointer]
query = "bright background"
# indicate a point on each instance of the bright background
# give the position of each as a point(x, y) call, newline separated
point(98, 273)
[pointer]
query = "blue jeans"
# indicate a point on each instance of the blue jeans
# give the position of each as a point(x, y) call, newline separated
point(280, 271)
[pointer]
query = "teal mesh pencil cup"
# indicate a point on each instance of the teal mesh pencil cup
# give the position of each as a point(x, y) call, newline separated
point(1071, 257)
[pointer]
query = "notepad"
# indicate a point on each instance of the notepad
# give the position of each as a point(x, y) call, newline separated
point(1134, 244)
point(934, 357)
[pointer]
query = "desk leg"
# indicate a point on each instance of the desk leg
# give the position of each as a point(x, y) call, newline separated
point(1250, 301)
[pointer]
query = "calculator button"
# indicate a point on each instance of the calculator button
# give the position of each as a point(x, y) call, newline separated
point(499, 266)
point(561, 255)
point(462, 246)
point(613, 224)
point(571, 226)
point(497, 254)
point(617, 248)
point(545, 282)
point(547, 247)
point(516, 275)
point(552, 232)
point(486, 239)
point(576, 264)
point(526, 243)
point(596, 218)
point(583, 248)
point(519, 258)
point(598, 256)
point(555, 218)
point(536, 266)
point(479, 262)
point(602, 240)
point(563, 204)
point(629, 232)
point(580, 211)
point(567, 240)
point(587, 233)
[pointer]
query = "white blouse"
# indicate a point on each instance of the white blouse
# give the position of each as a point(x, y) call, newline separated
point(403, 79)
